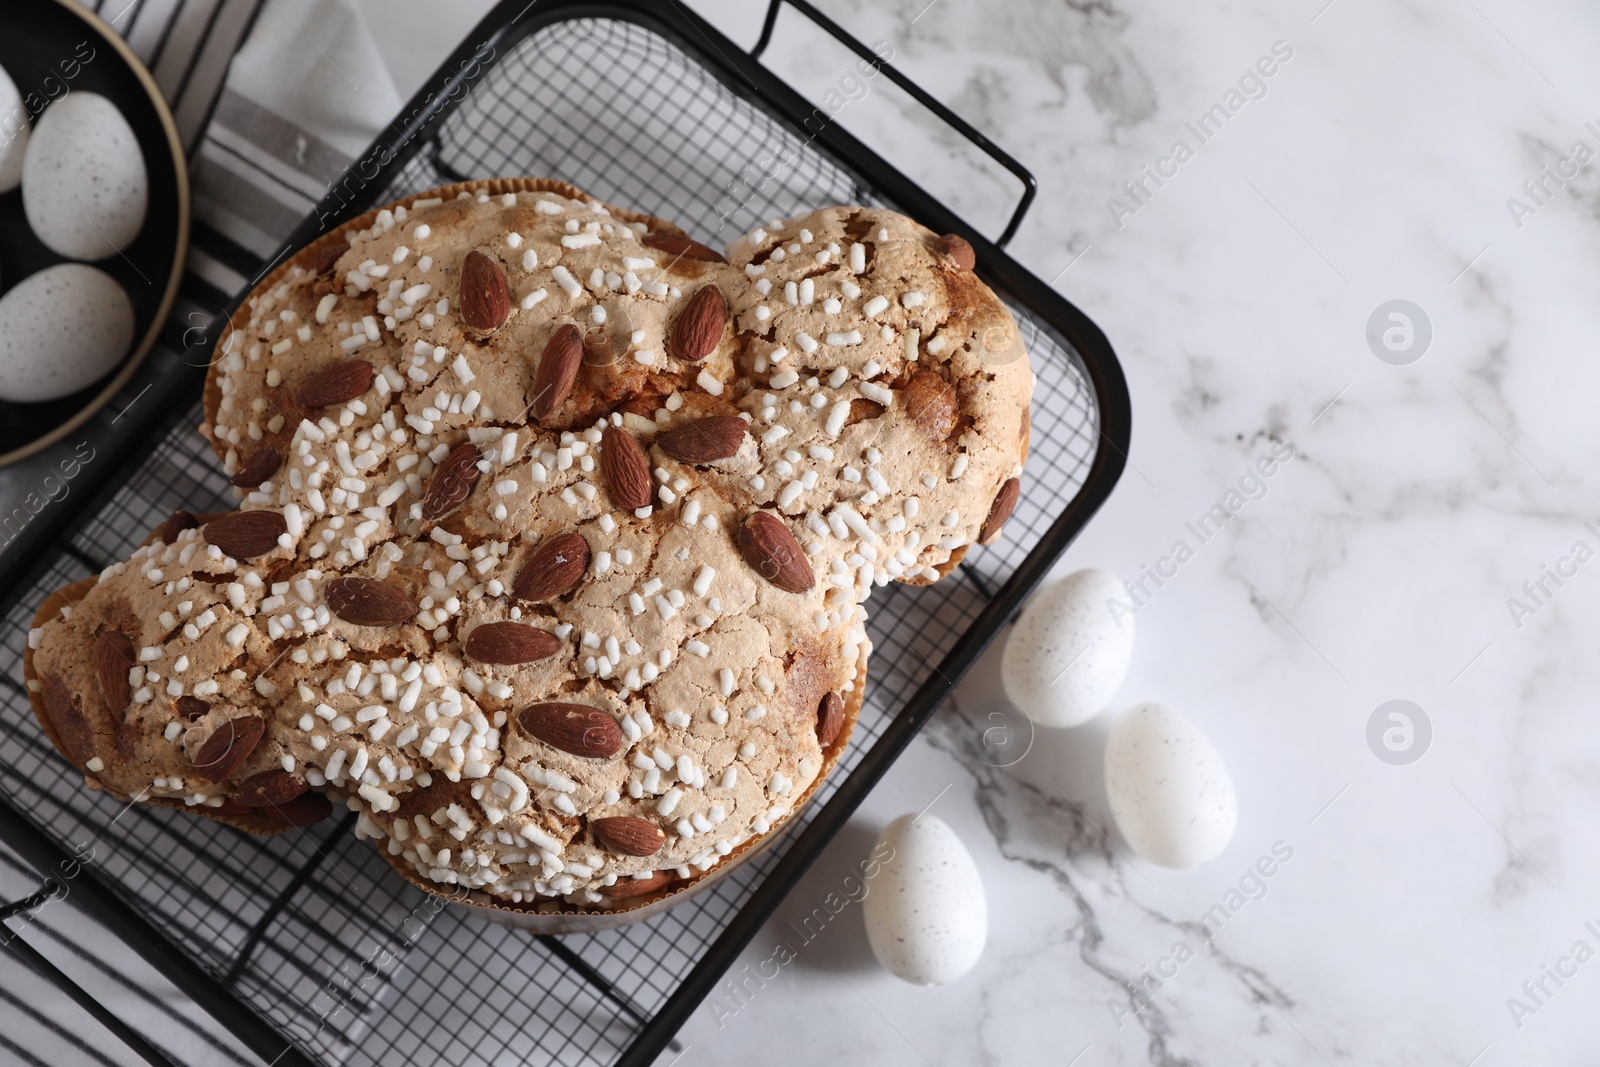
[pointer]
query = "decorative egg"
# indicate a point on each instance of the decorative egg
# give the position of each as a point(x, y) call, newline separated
point(1068, 652)
point(926, 915)
point(84, 183)
point(60, 330)
point(1170, 793)
point(13, 133)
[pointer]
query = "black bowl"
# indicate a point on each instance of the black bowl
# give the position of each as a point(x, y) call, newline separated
point(51, 48)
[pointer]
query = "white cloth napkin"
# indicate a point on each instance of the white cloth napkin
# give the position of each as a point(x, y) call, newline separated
point(314, 64)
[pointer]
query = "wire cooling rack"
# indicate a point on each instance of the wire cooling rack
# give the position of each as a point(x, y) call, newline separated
point(311, 933)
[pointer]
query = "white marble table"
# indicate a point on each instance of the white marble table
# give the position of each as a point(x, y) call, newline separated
point(1418, 899)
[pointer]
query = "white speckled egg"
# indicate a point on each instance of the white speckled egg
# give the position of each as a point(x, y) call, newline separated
point(61, 329)
point(13, 133)
point(1068, 653)
point(1170, 793)
point(84, 184)
point(926, 915)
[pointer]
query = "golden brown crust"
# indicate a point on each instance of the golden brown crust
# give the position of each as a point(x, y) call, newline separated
point(46, 696)
point(317, 253)
point(552, 918)
point(900, 388)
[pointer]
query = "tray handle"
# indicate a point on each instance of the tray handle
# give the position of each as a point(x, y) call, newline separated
point(1030, 185)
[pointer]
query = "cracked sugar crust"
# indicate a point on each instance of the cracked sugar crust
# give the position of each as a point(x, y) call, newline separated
point(900, 382)
point(711, 756)
point(712, 673)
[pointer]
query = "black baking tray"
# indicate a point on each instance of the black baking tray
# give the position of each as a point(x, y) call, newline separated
point(246, 926)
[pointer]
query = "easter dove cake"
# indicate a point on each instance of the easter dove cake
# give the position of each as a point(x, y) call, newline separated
point(556, 538)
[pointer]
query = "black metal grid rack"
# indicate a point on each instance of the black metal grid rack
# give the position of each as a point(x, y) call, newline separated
point(307, 946)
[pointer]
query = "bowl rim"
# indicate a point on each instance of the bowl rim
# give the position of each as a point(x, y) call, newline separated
point(141, 348)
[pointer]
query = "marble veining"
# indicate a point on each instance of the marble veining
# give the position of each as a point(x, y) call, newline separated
point(1437, 911)
point(1441, 911)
